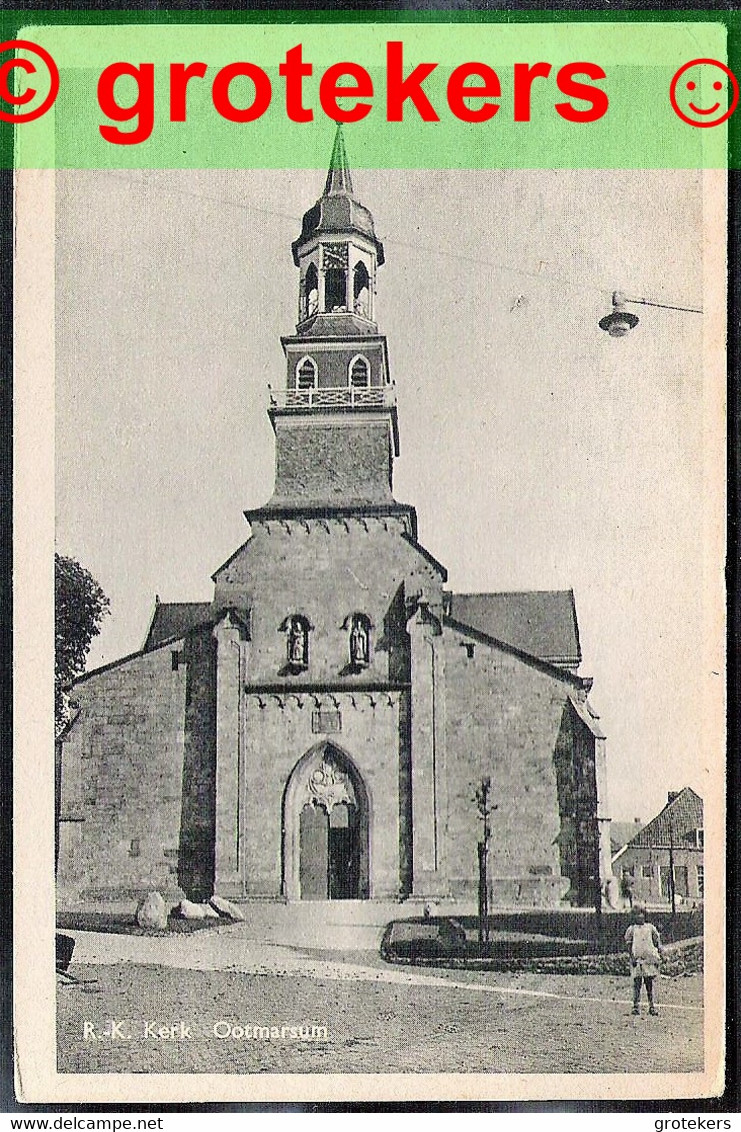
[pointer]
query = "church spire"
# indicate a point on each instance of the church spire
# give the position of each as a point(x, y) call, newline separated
point(338, 216)
point(336, 432)
point(338, 176)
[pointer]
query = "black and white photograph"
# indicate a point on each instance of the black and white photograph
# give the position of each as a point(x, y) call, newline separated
point(389, 514)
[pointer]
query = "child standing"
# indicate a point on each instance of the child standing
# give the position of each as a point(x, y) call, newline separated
point(644, 944)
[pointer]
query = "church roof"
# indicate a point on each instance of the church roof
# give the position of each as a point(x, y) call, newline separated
point(174, 619)
point(539, 622)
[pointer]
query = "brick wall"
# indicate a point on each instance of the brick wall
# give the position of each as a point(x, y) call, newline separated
point(326, 571)
point(278, 732)
point(122, 780)
point(337, 462)
point(655, 861)
point(197, 829)
point(333, 365)
point(503, 719)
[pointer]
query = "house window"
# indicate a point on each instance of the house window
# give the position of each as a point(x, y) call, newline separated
point(359, 372)
point(700, 880)
point(646, 872)
point(306, 374)
point(700, 838)
point(297, 628)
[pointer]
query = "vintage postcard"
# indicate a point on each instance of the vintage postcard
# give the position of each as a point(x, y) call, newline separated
point(370, 401)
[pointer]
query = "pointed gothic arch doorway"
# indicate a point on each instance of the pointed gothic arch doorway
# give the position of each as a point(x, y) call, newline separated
point(326, 828)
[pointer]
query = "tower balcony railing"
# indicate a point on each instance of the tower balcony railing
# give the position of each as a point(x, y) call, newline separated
point(343, 396)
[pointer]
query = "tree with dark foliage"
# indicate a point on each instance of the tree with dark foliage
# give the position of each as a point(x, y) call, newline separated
point(79, 608)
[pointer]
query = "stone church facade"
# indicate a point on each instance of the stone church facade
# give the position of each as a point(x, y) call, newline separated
point(319, 729)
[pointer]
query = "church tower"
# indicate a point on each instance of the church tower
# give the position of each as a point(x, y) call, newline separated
point(319, 730)
point(335, 421)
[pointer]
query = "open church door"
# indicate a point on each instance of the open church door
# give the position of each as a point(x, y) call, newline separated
point(344, 853)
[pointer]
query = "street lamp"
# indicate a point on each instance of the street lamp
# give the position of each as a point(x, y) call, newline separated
point(620, 321)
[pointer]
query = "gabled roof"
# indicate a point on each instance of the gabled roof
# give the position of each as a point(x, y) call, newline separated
point(559, 671)
point(539, 622)
point(676, 823)
point(174, 619)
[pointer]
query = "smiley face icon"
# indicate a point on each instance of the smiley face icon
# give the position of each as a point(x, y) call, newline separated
point(704, 92)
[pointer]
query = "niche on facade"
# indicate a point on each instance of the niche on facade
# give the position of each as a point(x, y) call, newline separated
point(297, 629)
point(358, 627)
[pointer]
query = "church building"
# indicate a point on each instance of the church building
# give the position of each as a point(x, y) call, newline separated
point(319, 729)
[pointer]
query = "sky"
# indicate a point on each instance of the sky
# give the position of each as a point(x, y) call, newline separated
point(540, 453)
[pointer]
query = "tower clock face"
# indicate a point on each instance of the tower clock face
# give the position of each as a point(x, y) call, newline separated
point(335, 255)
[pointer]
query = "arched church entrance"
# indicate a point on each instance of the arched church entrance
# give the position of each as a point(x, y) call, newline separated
point(325, 828)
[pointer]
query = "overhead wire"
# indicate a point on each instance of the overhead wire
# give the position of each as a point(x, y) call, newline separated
point(581, 285)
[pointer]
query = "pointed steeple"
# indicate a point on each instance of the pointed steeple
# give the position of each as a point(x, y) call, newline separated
point(338, 176)
point(338, 212)
point(335, 421)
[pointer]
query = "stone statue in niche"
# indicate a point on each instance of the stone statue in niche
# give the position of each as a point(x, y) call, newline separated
point(298, 645)
point(359, 642)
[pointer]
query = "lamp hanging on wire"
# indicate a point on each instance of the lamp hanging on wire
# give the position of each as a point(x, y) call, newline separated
point(620, 321)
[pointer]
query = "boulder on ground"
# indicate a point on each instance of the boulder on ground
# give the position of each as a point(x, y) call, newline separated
point(151, 912)
point(225, 908)
point(187, 910)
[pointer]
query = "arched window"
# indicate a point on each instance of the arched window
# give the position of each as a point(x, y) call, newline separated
point(297, 629)
point(359, 639)
point(311, 292)
point(361, 290)
point(359, 372)
point(306, 374)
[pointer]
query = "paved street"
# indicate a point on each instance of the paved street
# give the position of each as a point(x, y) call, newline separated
point(191, 1004)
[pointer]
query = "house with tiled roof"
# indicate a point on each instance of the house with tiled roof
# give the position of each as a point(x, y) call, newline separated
point(670, 846)
point(319, 729)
